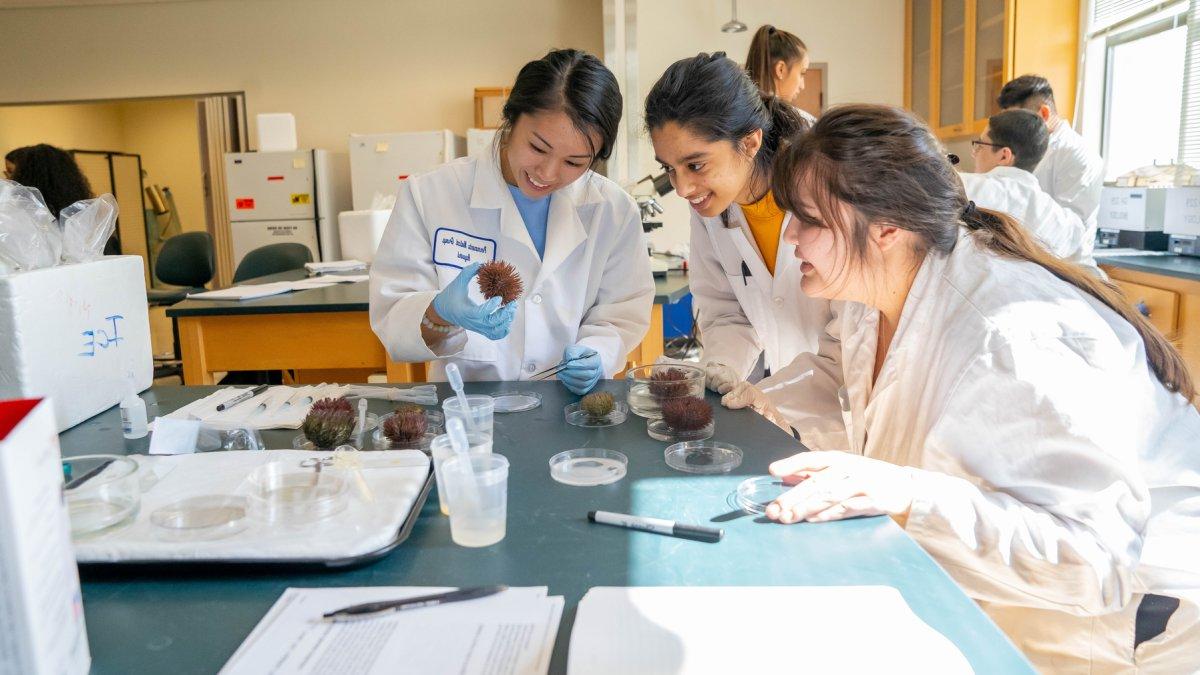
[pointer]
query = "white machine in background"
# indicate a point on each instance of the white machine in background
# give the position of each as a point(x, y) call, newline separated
point(378, 162)
point(1131, 217)
point(1181, 220)
point(277, 197)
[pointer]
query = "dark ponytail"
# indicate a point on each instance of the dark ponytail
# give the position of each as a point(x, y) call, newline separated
point(769, 46)
point(712, 97)
point(887, 166)
point(575, 83)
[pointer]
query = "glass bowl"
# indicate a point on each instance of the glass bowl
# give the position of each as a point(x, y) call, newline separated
point(285, 493)
point(102, 492)
point(645, 396)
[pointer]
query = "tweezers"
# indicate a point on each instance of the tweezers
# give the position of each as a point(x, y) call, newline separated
point(555, 370)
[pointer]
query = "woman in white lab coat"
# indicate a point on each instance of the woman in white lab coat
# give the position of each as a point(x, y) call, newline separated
point(574, 237)
point(715, 136)
point(1012, 412)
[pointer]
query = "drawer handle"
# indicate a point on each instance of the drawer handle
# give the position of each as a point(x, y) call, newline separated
point(1143, 308)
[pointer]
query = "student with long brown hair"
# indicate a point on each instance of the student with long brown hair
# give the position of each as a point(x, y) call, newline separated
point(776, 62)
point(1024, 424)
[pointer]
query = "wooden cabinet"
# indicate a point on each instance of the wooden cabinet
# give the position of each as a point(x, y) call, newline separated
point(1173, 305)
point(959, 53)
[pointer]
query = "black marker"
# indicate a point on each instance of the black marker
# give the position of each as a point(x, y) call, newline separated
point(244, 396)
point(668, 527)
point(745, 273)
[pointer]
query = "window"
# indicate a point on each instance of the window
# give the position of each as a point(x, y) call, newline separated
point(1144, 95)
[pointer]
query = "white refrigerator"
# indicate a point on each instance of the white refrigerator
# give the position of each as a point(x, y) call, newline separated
point(378, 162)
point(277, 197)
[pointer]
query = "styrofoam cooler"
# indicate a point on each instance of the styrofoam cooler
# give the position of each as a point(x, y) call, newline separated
point(75, 334)
point(360, 232)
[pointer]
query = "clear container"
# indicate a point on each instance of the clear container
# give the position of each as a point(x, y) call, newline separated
point(645, 395)
point(587, 467)
point(477, 418)
point(754, 494)
point(282, 493)
point(202, 518)
point(441, 450)
point(659, 430)
point(576, 415)
point(703, 457)
point(102, 492)
point(435, 424)
point(478, 499)
point(516, 401)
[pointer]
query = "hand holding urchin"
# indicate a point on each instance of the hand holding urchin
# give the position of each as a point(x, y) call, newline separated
point(500, 279)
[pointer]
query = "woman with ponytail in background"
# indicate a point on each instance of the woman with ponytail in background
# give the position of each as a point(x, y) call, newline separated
point(1015, 414)
point(716, 135)
point(777, 62)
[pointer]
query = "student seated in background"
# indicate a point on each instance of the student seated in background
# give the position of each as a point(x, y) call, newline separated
point(55, 174)
point(574, 236)
point(1024, 424)
point(1070, 172)
point(1005, 155)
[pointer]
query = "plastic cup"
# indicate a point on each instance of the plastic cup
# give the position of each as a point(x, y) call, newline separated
point(478, 500)
point(441, 450)
point(477, 419)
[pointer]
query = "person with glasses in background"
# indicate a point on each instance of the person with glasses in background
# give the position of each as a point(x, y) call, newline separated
point(1070, 172)
point(1005, 155)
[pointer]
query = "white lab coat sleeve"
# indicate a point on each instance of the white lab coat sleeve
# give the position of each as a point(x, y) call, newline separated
point(1078, 180)
point(404, 283)
point(618, 320)
point(1024, 497)
point(726, 332)
point(1060, 230)
point(806, 390)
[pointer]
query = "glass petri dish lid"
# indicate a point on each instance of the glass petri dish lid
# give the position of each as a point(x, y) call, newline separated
point(754, 494)
point(102, 492)
point(516, 401)
point(588, 467)
point(575, 415)
point(703, 457)
point(202, 518)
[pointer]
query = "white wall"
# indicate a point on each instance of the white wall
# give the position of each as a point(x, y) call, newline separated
point(862, 41)
point(340, 67)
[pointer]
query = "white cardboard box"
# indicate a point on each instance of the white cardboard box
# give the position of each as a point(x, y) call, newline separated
point(41, 608)
point(75, 333)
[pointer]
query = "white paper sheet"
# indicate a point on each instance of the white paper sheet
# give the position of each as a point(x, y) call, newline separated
point(335, 266)
point(247, 292)
point(788, 629)
point(509, 633)
point(279, 407)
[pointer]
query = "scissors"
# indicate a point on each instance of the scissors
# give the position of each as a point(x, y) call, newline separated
point(555, 370)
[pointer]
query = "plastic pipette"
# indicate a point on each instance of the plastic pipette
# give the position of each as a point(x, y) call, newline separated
point(456, 383)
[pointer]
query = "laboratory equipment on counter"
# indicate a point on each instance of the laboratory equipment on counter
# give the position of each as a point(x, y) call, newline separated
point(1181, 220)
point(281, 197)
point(1131, 217)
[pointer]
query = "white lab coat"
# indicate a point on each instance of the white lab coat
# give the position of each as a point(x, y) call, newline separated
point(1062, 480)
point(743, 316)
point(1073, 175)
point(1017, 193)
point(592, 287)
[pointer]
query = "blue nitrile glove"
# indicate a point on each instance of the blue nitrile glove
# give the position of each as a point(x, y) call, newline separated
point(581, 375)
point(454, 306)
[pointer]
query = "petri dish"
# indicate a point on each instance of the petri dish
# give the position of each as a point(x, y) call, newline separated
point(659, 430)
point(202, 518)
point(283, 493)
point(703, 457)
point(435, 424)
point(575, 415)
point(516, 401)
point(754, 494)
point(587, 467)
point(103, 492)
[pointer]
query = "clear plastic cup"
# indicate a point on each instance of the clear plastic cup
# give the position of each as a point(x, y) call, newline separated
point(441, 450)
point(477, 419)
point(478, 499)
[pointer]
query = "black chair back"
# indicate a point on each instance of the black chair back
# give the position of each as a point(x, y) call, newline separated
point(186, 260)
point(272, 259)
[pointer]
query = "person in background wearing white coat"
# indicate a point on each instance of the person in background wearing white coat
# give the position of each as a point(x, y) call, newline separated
point(1021, 421)
point(1070, 172)
point(573, 236)
point(1005, 154)
point(715, 135)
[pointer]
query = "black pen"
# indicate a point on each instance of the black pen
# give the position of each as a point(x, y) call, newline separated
point(244, 396)
point(371, 610)
point(745, 273)
point(670, 528)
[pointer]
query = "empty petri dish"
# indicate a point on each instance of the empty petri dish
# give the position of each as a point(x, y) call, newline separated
point(754, 494)
point(586, 467)
point(282, 493)
point(202, 518)
point(703, 457)
point(103, 492)
point(516, 401)
point(576, 415)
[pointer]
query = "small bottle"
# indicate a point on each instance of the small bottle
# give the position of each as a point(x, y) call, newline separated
point(133, 413)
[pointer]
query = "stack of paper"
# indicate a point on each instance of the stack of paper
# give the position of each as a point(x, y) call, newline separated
point(509, 633)
point(788, 629)
point(335, 266)
point(252, 291)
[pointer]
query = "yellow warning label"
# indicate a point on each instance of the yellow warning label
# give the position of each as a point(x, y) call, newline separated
point(300, 198)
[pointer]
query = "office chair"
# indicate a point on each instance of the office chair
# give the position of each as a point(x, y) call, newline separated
point(272, 259)
point(186, 260)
